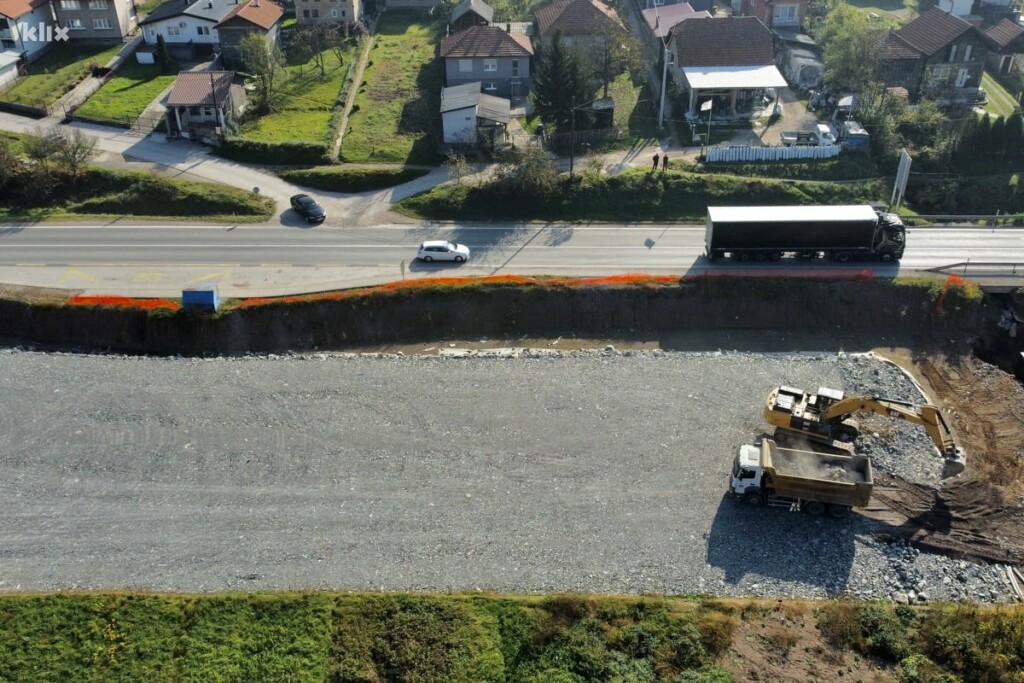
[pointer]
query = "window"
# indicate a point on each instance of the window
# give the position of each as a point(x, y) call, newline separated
point(203, 30)
point(207, 111)
point(100, 24)
point(173, 31)
point(465, 66)
point(515, 67)
point(8, 44)
point(194, 111)
point(490, 65)
point(70, 4)
point(316, 14)
point(75, 24)
point(952, 54)
point(967, 53)
point(305, 14)
point(785, 15)
point(940, 73)
point(334, 14)
point(97, 4)
point(490, 87)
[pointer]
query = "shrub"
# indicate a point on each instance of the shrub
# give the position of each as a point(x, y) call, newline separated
point(334, 179)
point(256, 152)
point(884, 633)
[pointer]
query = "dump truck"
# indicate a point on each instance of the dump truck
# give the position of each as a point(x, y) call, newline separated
point(769, 233)
point(817, 483)
point(821, 136)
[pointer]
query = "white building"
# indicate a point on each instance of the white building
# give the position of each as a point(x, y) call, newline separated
point(188, 26)
point(26, 27)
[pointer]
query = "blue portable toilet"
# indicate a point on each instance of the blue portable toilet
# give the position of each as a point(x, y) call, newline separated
point(855, 138)
point(201, 297)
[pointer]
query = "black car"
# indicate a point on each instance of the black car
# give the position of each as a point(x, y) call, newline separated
point(308, 208)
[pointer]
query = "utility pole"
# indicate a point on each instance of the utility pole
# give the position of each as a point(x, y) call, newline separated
point(664, 82)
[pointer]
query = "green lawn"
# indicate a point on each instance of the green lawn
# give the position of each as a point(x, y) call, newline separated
point(396, 116)
point(127, 94)
point(304, 105)
point(635, 110)
point(892, 13)
point(1000, 102)
point(61, 69)
point(147, 6)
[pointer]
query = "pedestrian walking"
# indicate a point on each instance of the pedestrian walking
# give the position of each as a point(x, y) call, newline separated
point(664, 162)
point(655, 166)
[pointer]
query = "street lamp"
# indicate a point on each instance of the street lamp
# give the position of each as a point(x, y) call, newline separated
point(664, 81)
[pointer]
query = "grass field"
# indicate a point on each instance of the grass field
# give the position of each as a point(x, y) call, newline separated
point(303, 106)
point(1000, 102)
point(396, 118)
point(127, 94)
point(487, 638)
point(57, 72)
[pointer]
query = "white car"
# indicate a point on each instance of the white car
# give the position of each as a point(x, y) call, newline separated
point(441, 250)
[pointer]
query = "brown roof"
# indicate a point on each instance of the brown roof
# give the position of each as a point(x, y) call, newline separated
point(574, 17)
point(15, 8)
point(197, 88)
point(933, 31)
point(892, 46)
point(486, 41)
point(730, 41)
point(262, 13)
point(1004, 33)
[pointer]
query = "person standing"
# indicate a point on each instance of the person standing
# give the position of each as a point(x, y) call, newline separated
point(655, 166)
point(664, 162)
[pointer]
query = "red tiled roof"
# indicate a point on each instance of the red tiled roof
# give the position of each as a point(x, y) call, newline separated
point(730, 41)
point(891, 46)
point(197, 88)
point(486, 41)
point(1004, 33)
point(933, 31)
point(262, 13)
point(574, 17)
point(15, 8)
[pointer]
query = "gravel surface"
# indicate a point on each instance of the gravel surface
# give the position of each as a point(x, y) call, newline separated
point(579, 471)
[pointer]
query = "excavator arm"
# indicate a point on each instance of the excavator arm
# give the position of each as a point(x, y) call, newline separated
point(825, 416)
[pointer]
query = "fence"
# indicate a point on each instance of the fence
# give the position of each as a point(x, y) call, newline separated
point(745, 153)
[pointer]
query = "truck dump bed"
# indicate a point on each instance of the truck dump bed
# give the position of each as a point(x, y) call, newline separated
point(841, 479)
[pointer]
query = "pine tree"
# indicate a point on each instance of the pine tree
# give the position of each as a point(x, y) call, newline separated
point(997, 137)
point(562, 84)
point(163, 55)
point(1014, 136)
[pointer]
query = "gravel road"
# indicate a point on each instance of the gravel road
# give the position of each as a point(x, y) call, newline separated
point(579, 471)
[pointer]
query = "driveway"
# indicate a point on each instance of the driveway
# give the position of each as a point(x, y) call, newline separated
point(794, 117)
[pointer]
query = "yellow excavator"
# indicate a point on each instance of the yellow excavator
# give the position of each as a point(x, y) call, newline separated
point(826, 418)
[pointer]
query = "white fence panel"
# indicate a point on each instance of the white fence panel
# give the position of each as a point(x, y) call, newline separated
point(746, 153)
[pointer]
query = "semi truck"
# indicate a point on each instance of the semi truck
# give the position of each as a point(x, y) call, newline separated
point(812, 482)
point(841, 233)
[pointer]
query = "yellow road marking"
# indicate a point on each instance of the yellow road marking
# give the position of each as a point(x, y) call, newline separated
point(73, 273)
point(212, 276)
point(30, 265)
point(147, 277)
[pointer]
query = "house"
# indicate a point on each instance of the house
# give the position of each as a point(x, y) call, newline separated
point(201, 103)
point(188, 26)
point(309, 12)
point(578, 20)
point(660, 20)
point(470, 117)
point(494, 57)
point(937, 55)
point(9, 62)
point(730, 61)
point(470, 13)
point(697, 5)
point(775, 14)
point(96, 21)
point(1006, 45)
point(262, 17)
point(26, 27)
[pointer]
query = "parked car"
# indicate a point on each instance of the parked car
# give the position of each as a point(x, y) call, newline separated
point(309, 208)
point(442, 250)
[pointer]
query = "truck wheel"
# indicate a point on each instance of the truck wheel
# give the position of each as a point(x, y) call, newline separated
point(759, 256)
point(838, 511)
point(843, 256)
point(752, 499)
point(776, 255)
point(743, 256)
point(814, 507)
point(886, 258)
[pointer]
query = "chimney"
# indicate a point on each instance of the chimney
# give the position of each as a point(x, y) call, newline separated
point(209, 5)
point(508, 28)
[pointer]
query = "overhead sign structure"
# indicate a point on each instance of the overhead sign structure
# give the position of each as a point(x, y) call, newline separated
point(902, 173)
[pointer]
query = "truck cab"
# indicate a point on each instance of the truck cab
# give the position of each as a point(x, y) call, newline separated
point(747, 473)
point(891, 237)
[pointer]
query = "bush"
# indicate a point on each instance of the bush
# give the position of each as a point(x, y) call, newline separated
point(334, 179)
point(291, 153)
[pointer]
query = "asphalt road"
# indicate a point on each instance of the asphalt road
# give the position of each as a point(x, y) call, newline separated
point(254, 260)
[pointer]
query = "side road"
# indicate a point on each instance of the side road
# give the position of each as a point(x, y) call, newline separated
point(127, 149)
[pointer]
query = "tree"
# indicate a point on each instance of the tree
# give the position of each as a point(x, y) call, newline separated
point(41, 147)
point(458, 166)
point(1014, 136)
point(74, 150)
point(560, 85)
point(312, 44)
point(163, 55)
point(997, 137)
point(10, 163)
point(265, 61)
point(850, 50)
point(613, 51)
point(527, 172)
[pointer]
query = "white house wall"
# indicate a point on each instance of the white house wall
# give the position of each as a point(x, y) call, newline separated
point(187, 33)
point(40, 15)
point(459, 126)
